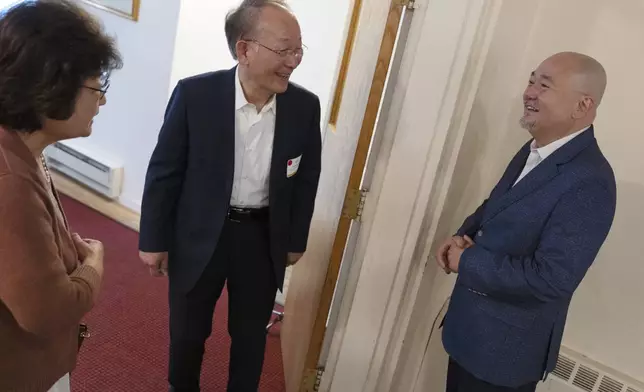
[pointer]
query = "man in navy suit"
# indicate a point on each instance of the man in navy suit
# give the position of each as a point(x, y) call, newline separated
point(525, 250)
point(230, 192)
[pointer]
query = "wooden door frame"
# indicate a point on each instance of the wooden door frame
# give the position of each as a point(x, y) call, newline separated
point(349, 116)
point(385, 54)
point(442, 50)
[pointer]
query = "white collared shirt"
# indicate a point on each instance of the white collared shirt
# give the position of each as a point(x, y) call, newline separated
point(539, 154)
point(254, 134)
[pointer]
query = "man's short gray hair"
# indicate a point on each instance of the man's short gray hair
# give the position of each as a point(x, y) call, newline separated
point(241, 21)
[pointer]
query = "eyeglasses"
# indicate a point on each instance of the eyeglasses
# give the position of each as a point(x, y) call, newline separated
point(103, 90)
point(283, 53)
point(104, 80)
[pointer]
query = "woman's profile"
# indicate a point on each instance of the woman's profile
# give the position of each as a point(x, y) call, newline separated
point(55, 62)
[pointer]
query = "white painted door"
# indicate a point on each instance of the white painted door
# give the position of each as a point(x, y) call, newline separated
point(385, 112)
point(310, 317)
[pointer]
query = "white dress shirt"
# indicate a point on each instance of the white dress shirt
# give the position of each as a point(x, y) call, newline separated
point(254, 134)
point(539, 154)
point(62, 385)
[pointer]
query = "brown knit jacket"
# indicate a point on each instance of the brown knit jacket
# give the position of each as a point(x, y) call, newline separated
point(44, 291)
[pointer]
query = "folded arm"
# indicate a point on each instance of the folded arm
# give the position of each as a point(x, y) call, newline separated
point(41, 296)
point(472, 222)
point(569, 243)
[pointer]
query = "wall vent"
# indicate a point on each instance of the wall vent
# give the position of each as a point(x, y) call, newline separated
point(87, 167)
point(608, 384)
point(581, 374)
point(565, 368)
point(585, 378)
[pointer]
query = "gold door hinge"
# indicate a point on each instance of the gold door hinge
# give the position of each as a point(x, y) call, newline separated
point(354, 204)
point(312, 379)
point(409, 4)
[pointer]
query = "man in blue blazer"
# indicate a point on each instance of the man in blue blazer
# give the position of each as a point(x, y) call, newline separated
point(525, 250)
point(230, 192)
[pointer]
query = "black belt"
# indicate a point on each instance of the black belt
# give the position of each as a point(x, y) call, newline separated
point(237, 214)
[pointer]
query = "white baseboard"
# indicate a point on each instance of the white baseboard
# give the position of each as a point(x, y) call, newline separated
point(107, 207)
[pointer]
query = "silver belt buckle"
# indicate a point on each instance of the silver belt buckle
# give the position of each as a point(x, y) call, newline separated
point(238, 210)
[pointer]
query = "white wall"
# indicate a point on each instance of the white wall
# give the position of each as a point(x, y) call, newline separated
point(127, 127)
point(6, 3)
point(120, 5)
point(201, 43)
point(324, 26)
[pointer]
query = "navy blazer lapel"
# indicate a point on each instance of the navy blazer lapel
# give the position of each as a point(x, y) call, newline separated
point(515, 167)
point(548, 169)
point(218, 120)
point(226, 117)
point(226, 104)
point(280, 141)
point(539, 176)
point(212, 115)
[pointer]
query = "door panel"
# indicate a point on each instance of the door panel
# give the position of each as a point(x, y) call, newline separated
point(312, 285)
point(382, 121)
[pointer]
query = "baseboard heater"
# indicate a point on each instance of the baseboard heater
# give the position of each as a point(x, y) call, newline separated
point(88, 168)
point(576, 373)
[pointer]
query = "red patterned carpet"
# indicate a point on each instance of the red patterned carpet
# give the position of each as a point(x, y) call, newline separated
point(128, 348)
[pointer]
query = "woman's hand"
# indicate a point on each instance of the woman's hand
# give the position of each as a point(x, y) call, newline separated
point(90, 251)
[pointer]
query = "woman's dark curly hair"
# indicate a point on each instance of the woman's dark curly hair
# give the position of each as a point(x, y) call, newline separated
point(48, 49)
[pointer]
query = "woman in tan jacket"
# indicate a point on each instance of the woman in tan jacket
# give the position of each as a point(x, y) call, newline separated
point(54, 63)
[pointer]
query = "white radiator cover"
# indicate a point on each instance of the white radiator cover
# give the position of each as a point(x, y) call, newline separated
point(97, 172)
point(576, 373)
point(554, 384)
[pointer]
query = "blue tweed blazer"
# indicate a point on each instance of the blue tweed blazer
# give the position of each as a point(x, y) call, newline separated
point(534, 243)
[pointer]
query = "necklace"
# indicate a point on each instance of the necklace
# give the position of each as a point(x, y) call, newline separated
point(45, 169)
point(50, 189)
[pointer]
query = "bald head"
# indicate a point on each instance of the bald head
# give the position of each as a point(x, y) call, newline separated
point(587, 75)
point(276, 21)
point(562, 96)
